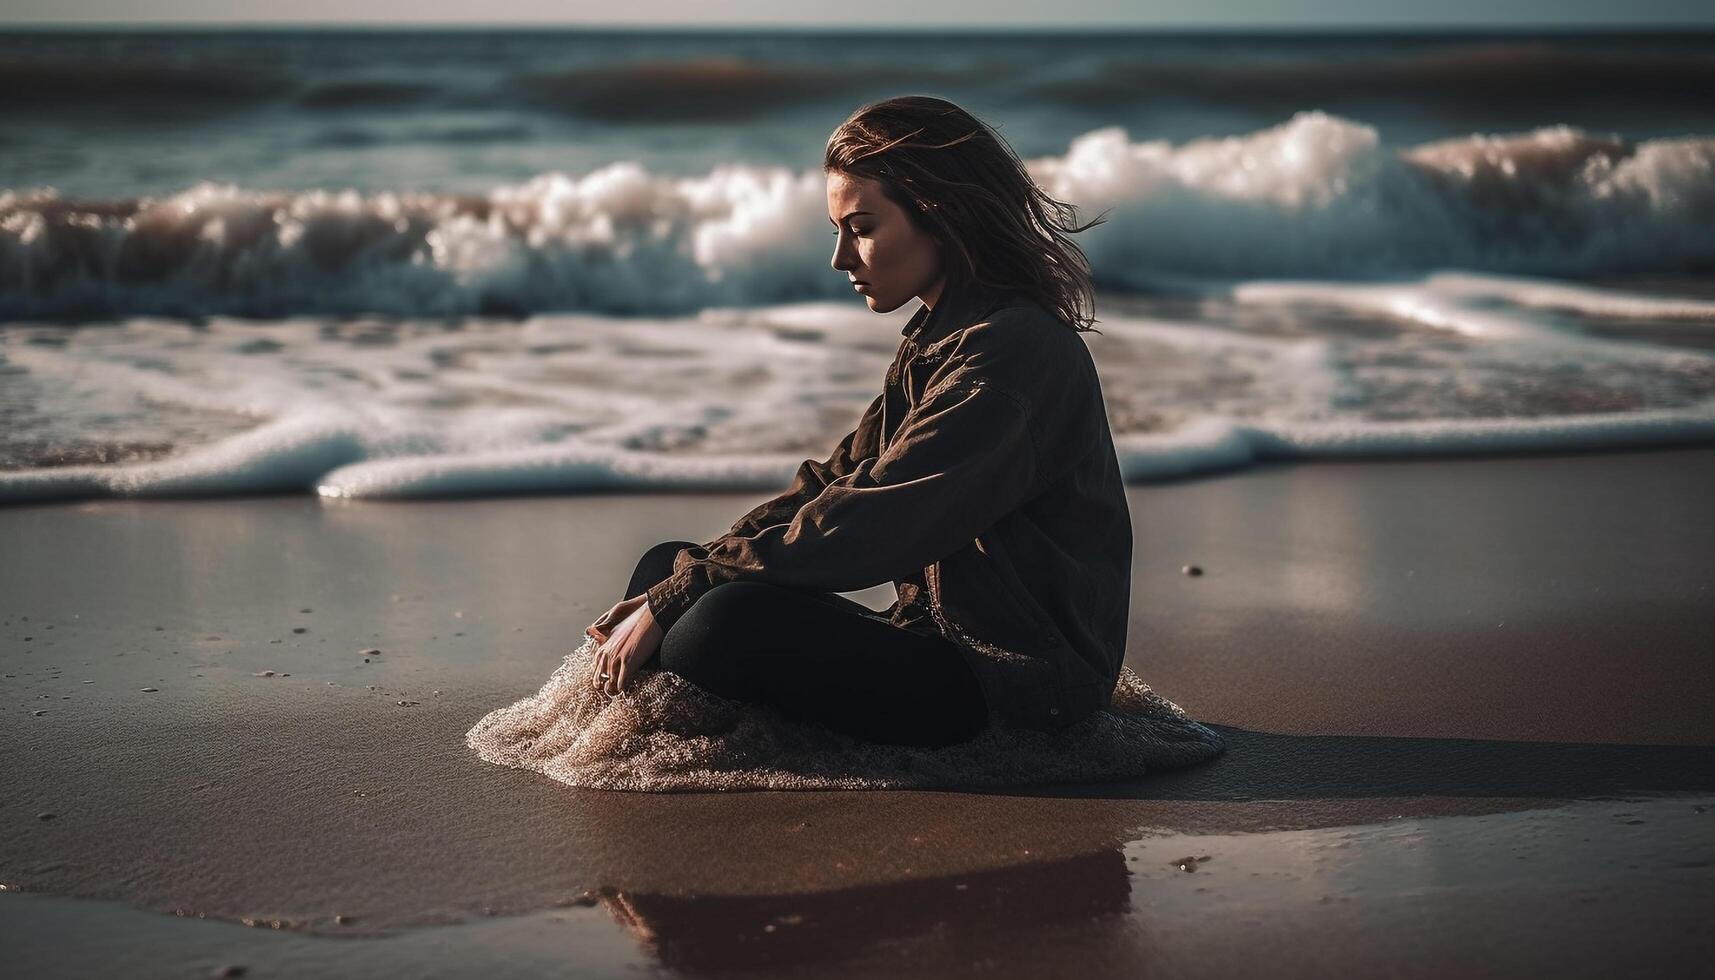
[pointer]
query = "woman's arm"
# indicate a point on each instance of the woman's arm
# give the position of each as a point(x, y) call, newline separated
point(961, 460)
point(813, 477)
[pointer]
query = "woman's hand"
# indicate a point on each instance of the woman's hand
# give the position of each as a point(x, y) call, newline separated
point(629, 636)
point(602, 628)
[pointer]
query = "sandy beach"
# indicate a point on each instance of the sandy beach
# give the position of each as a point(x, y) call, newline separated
point(350, 359)
point(1468, 705)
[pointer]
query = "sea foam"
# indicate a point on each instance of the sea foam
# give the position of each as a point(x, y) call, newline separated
point(665, 734)
point(1318, 196)
point(734, 399)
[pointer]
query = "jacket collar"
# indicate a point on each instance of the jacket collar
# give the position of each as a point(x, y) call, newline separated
point(962, 302)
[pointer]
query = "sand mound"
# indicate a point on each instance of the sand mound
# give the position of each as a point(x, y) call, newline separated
point(665, 734)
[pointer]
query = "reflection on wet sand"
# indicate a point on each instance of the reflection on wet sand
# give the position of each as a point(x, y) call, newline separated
point(703, 934)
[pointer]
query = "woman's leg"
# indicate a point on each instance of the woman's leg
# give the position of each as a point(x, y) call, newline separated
point(655, 565)
point(818, 662)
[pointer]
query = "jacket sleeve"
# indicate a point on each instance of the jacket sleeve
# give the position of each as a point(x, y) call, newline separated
point(961, 460)
point(813, 477)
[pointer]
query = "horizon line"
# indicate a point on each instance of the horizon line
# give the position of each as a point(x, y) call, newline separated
point(1558, 27)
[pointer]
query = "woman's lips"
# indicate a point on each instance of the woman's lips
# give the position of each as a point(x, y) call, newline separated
point(860, 286)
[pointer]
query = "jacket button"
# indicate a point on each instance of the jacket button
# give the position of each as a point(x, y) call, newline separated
point(1053, 711)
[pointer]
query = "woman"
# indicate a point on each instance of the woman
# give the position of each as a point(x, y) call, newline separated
point(982, 481)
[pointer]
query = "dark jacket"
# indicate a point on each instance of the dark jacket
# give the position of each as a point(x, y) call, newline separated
point(984, 484)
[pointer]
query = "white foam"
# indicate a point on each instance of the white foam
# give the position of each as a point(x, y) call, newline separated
point(733, 399)
point(1587, 300)
point(1316, 196)
point(1216, 444)
point(1419, 303)
point(541, 469)
point(665, 734)
point(1456, 301)
point(290, 454)
point(1323, 196)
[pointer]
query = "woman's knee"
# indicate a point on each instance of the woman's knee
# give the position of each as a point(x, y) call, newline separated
point(655, 565)
point(663, 554)
point(733, 607)
point(719, 634)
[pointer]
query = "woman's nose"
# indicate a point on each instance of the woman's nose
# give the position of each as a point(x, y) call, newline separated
point(843, 259)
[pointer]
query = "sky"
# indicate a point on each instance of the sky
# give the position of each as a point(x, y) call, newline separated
point(881, 14)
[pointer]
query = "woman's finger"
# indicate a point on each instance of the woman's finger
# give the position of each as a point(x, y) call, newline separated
point(611, 663)
point(615, 662)
point(605, 621)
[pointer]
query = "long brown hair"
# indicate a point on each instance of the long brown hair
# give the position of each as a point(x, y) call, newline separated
point(962, 184)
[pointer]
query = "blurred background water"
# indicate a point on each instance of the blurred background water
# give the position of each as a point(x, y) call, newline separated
point(387, 261)
point(120, 115)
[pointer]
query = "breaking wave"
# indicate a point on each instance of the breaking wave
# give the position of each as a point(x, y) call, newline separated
point(1318, 195)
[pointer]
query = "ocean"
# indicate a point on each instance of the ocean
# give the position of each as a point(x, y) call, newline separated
point(382, 263)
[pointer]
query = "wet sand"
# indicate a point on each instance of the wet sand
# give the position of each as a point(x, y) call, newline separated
point(1419, 667)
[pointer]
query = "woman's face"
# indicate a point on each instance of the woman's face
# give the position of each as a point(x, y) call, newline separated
point(876, 244)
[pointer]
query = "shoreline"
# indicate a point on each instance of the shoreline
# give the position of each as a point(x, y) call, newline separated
point(312, 457)
point(1624, 371)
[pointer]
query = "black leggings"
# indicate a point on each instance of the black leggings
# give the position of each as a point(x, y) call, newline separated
point(814, 657)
